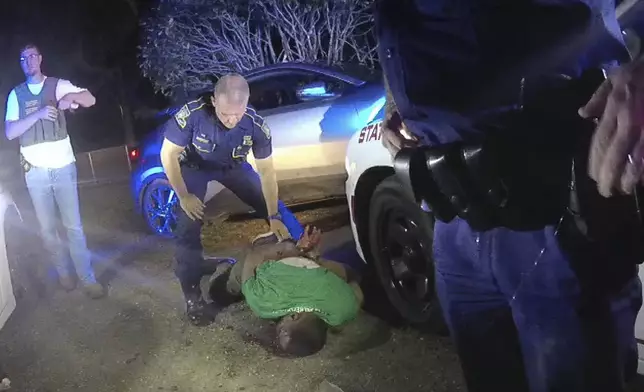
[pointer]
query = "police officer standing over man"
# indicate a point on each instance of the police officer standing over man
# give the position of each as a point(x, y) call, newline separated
point(207, 141)
point(538, 236)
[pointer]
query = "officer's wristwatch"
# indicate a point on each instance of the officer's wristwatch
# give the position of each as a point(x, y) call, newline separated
point(277, 216)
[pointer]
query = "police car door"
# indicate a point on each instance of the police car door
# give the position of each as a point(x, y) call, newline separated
point(7, 299)
point(294, 104)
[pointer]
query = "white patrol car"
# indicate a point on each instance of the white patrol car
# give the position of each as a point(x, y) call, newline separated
point(393, 233)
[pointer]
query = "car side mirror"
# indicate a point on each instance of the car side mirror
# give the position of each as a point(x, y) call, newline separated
point(314, 91)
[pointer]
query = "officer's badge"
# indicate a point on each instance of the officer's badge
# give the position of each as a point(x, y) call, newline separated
point(182, 116)
point(239, 153)
point(248, 140)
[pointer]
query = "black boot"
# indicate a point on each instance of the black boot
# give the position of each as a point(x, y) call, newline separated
point(199, 313)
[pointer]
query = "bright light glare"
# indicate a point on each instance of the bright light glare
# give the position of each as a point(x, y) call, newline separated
point(377, 106)
point(406, 134)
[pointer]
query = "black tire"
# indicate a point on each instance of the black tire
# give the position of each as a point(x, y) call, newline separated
point(391, 207)
point(157, 185)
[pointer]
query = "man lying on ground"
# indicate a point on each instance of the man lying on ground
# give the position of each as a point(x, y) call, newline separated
point(289, 282)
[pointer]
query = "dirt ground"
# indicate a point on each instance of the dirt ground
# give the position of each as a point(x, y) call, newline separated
point(137, 340)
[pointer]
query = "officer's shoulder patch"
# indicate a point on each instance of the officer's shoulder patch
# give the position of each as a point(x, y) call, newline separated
point(182, 116)
point(266, 129)
point(258, 121)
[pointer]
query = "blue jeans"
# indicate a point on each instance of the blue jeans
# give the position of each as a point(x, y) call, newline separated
point(53, 191)
point(516, 312)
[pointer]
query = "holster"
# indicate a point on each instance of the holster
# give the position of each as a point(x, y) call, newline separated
point(528, 171)
point(26, 166)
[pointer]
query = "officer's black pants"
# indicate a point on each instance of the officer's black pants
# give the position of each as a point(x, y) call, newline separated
point(190, 266)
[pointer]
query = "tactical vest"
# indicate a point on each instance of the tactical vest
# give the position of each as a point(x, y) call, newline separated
point(43, 130)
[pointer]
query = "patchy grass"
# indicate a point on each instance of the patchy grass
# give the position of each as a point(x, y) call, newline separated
point(218, 234)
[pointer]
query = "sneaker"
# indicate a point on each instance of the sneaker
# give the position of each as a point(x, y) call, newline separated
point(264, 239)
point(94, 290)
point(67, 282)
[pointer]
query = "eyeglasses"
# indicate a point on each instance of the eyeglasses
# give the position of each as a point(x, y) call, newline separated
point(29, 57)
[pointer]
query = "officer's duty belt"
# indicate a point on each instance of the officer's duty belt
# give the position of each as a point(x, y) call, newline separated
point(528, 170)
point(208, 166)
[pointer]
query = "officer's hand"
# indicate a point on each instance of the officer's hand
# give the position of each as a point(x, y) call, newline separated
point(279, 229)
point(48, 113)
point(617, 149)
point(395, 136)
point(192, 206)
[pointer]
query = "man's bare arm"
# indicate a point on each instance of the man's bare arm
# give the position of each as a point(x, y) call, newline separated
point(266, 253)
point(268, 178)
point(14, 129)
point(346, 274)
point(334, 267)
point(170, 153)
point(82, 98)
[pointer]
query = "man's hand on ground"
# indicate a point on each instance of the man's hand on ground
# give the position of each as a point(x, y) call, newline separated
point(617, 150)
point(192, 206)
point(279, 229)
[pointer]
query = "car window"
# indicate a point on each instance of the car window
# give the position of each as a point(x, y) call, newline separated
point(281, 90)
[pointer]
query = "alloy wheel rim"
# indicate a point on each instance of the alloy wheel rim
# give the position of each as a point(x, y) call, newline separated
point(160, 210)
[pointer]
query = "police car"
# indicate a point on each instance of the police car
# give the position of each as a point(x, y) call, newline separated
point(12, 246)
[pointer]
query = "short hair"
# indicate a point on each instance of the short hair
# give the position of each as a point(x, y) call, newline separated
point(307, 336)
point(234, 87)
point(29, 46)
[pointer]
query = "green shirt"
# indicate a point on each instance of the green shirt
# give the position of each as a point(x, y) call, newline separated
point(279, 289)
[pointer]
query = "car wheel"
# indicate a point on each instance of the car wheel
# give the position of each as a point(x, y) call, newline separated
point(159, 206)
point(400, 238)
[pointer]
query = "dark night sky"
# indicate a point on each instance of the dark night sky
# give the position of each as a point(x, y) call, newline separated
point(93, 44)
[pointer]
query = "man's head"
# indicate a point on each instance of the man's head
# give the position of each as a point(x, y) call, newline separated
point(301, 334)
point(230, 99)
point(30, 60)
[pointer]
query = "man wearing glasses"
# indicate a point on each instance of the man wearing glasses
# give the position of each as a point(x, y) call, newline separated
point(35, 116)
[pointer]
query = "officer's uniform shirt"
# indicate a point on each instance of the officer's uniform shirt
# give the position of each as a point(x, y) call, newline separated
point(197, 127)
point(446, 60)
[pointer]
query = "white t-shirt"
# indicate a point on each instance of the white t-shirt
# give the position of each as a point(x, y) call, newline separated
point(301, 262)
point(51, 155)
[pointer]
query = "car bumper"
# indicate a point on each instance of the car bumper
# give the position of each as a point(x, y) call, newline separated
point(350, 192)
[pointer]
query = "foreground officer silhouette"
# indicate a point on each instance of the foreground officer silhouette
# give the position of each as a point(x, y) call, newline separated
point(538, 236)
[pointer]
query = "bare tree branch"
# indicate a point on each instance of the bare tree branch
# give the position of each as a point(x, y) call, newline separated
point(188, 42)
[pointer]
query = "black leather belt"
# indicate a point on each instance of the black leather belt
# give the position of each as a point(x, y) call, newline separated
point(207, 165)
